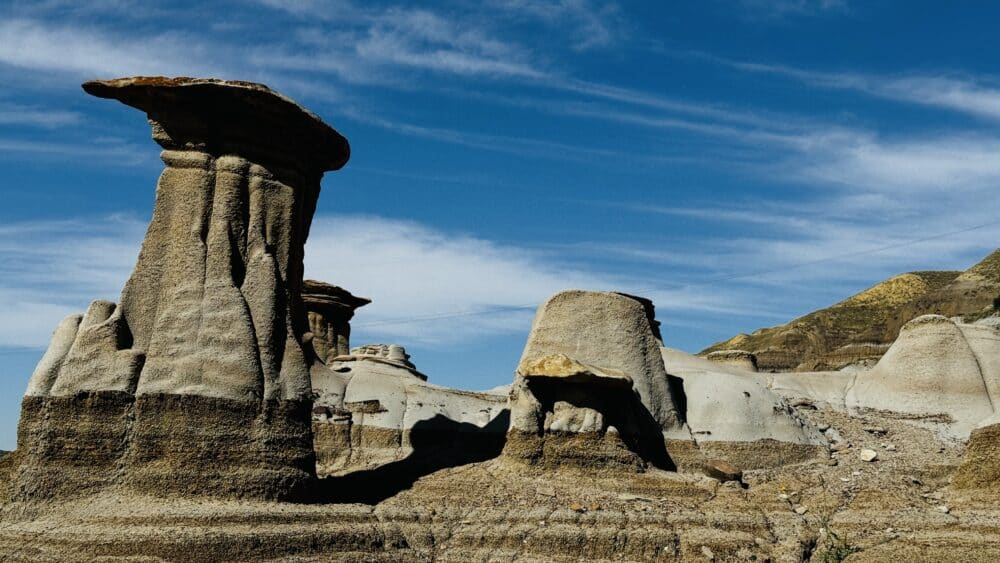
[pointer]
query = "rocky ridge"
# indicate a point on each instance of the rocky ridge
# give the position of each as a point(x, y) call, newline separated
point(858, 330)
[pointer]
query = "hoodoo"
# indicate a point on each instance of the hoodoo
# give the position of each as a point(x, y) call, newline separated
point(591, 388)
point(197, 382)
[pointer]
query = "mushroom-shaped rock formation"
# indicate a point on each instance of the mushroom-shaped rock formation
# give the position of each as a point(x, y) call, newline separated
point(330, 310)
point(736, 358)
point(937, 372)
point(571, 401)
point(197, 382)
point(735, 417)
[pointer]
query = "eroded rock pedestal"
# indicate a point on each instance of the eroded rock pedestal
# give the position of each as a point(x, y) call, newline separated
point(591, 388)
point(197, 381)
point(330, 309)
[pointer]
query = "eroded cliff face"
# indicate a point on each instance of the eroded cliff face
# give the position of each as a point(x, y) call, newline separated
point(197, 381)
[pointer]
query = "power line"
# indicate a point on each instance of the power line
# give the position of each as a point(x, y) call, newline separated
point(512, 308)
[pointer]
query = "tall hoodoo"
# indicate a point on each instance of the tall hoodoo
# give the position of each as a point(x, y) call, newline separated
point(207, 337)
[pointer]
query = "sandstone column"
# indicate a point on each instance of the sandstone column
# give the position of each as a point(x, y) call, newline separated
point(207, 337)
point(330, 309)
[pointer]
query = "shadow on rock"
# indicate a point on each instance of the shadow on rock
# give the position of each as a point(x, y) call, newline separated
point(438, 443)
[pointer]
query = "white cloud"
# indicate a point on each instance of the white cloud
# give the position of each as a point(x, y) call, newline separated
point(91, 51)
point(938, 165)
point(18, 114)
point(412, 271)
point(50, 269)
point(978, 96)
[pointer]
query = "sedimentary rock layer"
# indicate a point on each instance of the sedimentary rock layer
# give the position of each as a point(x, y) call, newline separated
point(197, 381)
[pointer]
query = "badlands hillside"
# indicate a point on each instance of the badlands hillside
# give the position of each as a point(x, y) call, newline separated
point(859, 329)
point(219, 412)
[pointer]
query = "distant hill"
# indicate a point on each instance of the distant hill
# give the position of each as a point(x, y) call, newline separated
point(860, 328)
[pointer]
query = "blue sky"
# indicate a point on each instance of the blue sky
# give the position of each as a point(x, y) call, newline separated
point(739, 162)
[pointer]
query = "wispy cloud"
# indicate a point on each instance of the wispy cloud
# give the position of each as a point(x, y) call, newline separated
point(779, 9)
point(108, 152)
point(92, 51)
point(34, 116)
point(49, 269)
point(979, 96)
point(594, 24)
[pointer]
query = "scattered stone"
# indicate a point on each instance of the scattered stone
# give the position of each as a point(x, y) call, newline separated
point(801, 510)
point(546, 491)
point(576, 506)
point(832, 462)
point(943, 508)
point(840, 446)
point(823, 427)
point(868, 455)
point(832, 435)
point(877, 430)
point(890, 447)
point(708, 553)
point(723, 470)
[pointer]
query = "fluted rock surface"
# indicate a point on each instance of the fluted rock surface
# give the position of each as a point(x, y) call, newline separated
point(197, 381)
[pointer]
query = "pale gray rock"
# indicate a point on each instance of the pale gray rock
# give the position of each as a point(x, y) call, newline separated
point(566, 412)
point(48, 367)
point(369, 412)
point(735, 405)
point(729, 408)
point(934, 371)
point(610, 331)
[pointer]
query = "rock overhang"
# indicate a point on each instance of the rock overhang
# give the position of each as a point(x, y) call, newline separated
point(187, 113)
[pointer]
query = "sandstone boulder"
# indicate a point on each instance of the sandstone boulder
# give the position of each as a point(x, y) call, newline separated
point(611, 331)
point(567, 413)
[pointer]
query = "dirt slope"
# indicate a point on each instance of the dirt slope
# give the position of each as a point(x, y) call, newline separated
point(860, 328)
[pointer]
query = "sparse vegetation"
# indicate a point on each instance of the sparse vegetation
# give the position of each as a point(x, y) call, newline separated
point(835, 549)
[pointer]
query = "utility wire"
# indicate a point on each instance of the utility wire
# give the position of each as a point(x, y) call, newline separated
point(512, 308)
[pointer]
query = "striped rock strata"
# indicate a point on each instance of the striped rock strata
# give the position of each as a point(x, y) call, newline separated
point(197, 382)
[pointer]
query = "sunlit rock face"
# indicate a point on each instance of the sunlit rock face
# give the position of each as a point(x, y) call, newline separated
point(591, 388)
point(197, 381)
point(938, 372)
